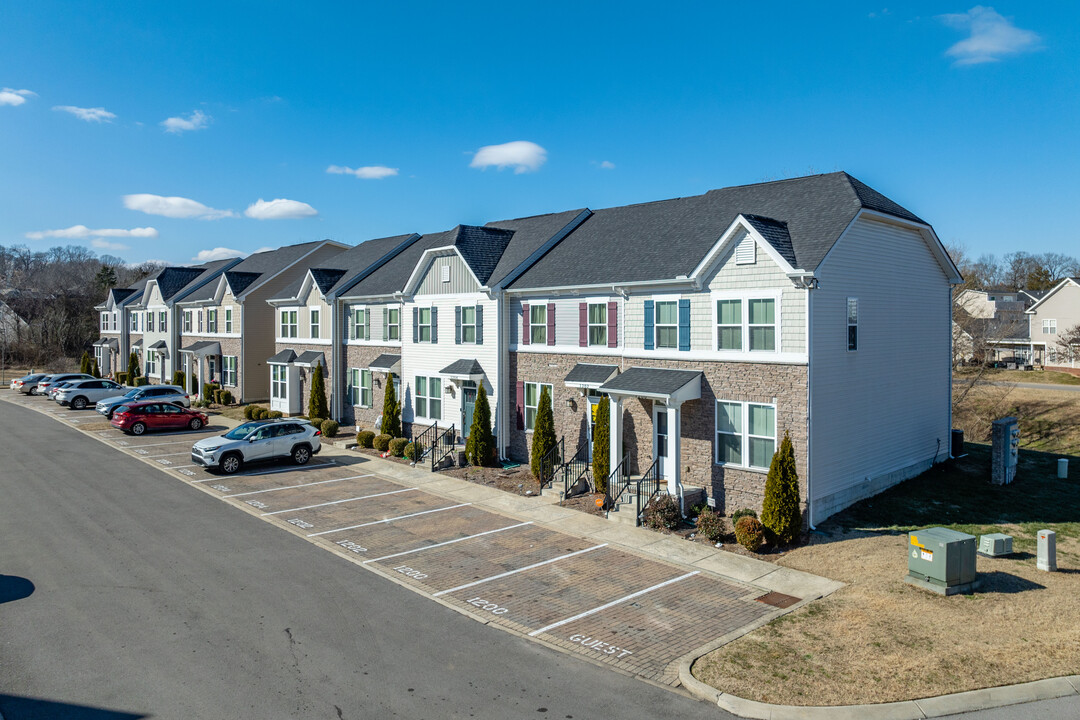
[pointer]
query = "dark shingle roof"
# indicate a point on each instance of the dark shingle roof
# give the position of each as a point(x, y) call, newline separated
point(386, 362)
point(311, 357)
point(240, 281)
point(590, 374)
point(326, 278)
point(650, 381)
point(172, 280)
point(481, 248)
point(198, 276)
point(260, 265)
point(462, 367)
point(283, 357)
point(350, 264)
point(120, 294)
point(530, 234)
point(669, 238)
point(775, 233)
point(392, 276)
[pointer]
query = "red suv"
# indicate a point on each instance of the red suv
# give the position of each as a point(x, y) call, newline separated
point(138, 417)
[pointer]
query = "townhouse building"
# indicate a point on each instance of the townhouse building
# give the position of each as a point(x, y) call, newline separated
point(1052, 317)
point(227, 327)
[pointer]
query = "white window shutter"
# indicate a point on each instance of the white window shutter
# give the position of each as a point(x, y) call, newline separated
point(746, 252)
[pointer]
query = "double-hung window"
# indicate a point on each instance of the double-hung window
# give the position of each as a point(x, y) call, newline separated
point(359, 323)
point(729, 324)
point(163, 324)
point(133, 322)
point(424, 324)
point(278, 378)
point(228, 370)
point(532, 401)
point(1049, 327)
point(313, 323)
point(428, 397)
point(538, 324)
point(228, 319)
point(852, 323)
point(149, 321)
point(360, 392)
point(104, 321)
point(211, 321)
point(598, 324)
point(468, 324)
point(288, 325)
point(761, 318)
point(745, 434)
point(151, 362)
point(187, 321)
point(393, 323)
point(667, 324)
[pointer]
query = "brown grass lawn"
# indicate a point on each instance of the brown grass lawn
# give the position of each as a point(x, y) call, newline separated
point(1049, 419)
point(1049, 377)
point(880, 640)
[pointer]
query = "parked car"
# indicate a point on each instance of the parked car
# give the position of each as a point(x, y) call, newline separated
point(56, 387)
point(136, 418)
point(165, 393)
point(81, 393)
point(45, 382)
point(258, 440)
point(27, 384)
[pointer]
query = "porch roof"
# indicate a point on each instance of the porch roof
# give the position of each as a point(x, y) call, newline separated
point(671, 386)
point(463, 370)
point(310, 358)
point(589, 375)
point(203, 347)
point(137, 343)
point(386, 363)
point(282, 358)
point(108, 342)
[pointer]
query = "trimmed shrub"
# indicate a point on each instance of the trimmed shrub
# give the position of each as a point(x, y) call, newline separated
point(141, 380)
point(207, 391)
point(662, 513)
point(364, 438)
point(317, 408)
point(84, 363)
point(391, 412)
point(249, 411)
point(178, 378)
point(122, 378)
point(750, 533)
point(710, 524)
point(94, 369)
point(381, 442)
point(780, 512)
point(411, 451)
point(397, 446)
point(480, 447)
point(329, 428)
point(601, 447)
point(741, 513)
point(543, 432)
point(133, 365)
point(226, 397)
point(271, 414)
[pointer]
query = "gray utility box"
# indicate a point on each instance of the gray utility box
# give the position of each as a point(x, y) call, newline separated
point(995, 544)
point(1004, 450)
point(942, 561)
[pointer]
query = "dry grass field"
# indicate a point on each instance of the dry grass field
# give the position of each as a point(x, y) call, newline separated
point(1049, 418)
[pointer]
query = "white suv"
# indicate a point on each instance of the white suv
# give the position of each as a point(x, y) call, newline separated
point(258, 440)
point(82, 393)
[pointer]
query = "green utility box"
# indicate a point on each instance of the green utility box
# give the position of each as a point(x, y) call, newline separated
point(942, 561)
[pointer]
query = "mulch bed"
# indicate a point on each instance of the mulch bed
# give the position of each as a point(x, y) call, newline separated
point(518, 480)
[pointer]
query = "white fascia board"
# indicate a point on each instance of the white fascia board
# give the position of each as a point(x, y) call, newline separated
point(425, 260)
point(614, 288)
point(728, 237)
point(936, 246)
point(350, 299)
point(1063, 283)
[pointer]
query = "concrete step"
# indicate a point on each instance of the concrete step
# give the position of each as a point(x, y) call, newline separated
point(623, 514)
point(555, 491)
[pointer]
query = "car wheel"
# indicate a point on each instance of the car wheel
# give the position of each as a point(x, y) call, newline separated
point(230, 463)
point(138, 428)
point(195, 424)
point(33, 391)
point(301, 454)
point(78, 403)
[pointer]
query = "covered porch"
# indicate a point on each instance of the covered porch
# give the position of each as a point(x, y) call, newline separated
point(289, 373)
point(201, 364)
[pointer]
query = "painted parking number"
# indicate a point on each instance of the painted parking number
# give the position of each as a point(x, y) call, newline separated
point(491, 607)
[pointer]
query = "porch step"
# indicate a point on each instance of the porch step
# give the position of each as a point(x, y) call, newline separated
point(555, 491)
point(623, 513)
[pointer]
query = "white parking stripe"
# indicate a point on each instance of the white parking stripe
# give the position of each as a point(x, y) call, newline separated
point(175, 442)
point(448, 542)
point(291, 487)
point(613, 603)
point(338, 502)
point(522, 569)
point(269, 472)
point(379, 522)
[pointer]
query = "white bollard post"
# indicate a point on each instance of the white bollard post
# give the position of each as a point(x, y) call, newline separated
point(1063, 468)
point(1047, 551)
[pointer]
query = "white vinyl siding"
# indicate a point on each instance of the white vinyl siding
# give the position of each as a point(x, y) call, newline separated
point(458, 278)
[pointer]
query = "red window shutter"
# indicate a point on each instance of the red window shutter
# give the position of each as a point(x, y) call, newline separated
point(519, 403)
point(583, 324)
point(551, 323)
point(613, 324)
point(524, 324)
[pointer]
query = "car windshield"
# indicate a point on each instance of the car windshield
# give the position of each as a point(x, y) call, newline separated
point(241, 431)
point(123, 409)
point(132, 392)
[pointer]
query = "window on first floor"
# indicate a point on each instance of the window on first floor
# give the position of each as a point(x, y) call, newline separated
point(228, 370)
point(279, 376)
point(745, 434)
point(428, 397)
point(360, 390)
point(151, 362)
point(532, 401)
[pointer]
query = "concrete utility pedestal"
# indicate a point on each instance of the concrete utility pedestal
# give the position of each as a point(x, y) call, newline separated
point(1046, 558)
point(1005, 436)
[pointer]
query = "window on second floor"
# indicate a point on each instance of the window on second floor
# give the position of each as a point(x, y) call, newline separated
point(104, 321)
point(852, 323)
point(187, 321)
point(358, 316)
point(133, 322)
point(149, 321)
point(761, 317)
point(538, 324)
point(667, 324)
point(729, 324)
point(228, 319)
point(468, 324)
point(598, 324)
point(211, 321)
point(393, 323)
point(1049, 327)
point(424, 324)
point(313, 316)
point(288, 325)
point(163, 322)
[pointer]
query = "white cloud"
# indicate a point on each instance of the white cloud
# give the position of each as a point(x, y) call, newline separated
point(80, 232)
point(605, 165)
point(195, 121)
point(88, 114)
point(263, 249)
point(279, 209)
point(173, 207)
point(218, 253)
point(371, 172)
point(522, 155)
point(992, 36)
point(11, 96)
point(106, 245)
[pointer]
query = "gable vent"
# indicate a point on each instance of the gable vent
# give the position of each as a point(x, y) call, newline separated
point(444, 273)
point(746, 252)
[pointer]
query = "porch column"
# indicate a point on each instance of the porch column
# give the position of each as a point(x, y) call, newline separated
point(616, 431)
point(674, 480)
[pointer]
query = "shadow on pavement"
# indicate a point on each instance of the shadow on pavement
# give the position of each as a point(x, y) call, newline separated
point(15, 707)
point(13, 587)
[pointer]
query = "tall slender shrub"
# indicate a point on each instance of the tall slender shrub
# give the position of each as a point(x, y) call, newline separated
point(780, 512)
point(133, 365)
point(84, 363)
point(601, 446)
point(480, 447)
point(543, 432)
point(94, 369)
point(391, 410)
point(317, 408)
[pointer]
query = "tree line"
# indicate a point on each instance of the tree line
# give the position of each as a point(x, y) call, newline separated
point(54, 291)
point(1015, 270)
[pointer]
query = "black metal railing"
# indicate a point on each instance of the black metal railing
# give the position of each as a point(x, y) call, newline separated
point(425, 441)
point(551, 462)
point(575, 468)
point(648, 487)
point(443, 445)
point(619, 481)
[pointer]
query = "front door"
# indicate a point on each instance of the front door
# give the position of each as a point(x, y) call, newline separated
point(594, 403)
point(662, 440)
point(468, 404)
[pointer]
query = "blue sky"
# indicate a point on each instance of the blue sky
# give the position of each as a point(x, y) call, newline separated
point(153, 130)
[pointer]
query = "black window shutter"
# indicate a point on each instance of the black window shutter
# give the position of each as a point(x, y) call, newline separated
point(416, 324)
point(457, 325)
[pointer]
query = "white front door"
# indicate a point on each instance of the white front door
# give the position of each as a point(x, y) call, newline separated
point(662, 440)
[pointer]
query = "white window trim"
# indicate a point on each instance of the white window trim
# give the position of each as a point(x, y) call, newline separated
point(393, 325)
point(428, 397)
point(282, 383)
point(524, 400)
point(1049, 326)
point(279, 324)
point(746, 296)
point(354, 311)
point(421, 325)
point(163, 321)
point(675, 298)
point(228, 311)
point(212, 313)
point(314, 309)
point(356, 382)
point(744, 406)
point(465, 324)
point(521, 329)
point(151, 363)
point(589, 325)
point(229, 378)
point(187, 321)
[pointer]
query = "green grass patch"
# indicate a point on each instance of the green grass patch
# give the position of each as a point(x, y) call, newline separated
point(1043, 377)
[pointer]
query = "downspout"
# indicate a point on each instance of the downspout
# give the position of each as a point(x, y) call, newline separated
point(501, 373)
point(809, 408)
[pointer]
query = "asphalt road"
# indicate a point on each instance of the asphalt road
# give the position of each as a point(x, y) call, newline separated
point(127, 594)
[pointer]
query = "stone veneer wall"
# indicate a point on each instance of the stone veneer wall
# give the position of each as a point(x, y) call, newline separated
point(746, 382)
point(360, 356)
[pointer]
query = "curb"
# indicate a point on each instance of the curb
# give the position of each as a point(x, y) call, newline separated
point(933, 707)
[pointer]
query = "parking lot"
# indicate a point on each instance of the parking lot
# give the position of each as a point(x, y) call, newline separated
point(609, 604)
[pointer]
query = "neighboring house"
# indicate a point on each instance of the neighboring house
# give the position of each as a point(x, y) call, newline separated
point(227, 327)
point(12, 325)
point(990, 326)
point(1053, 315)
point(159, 317)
